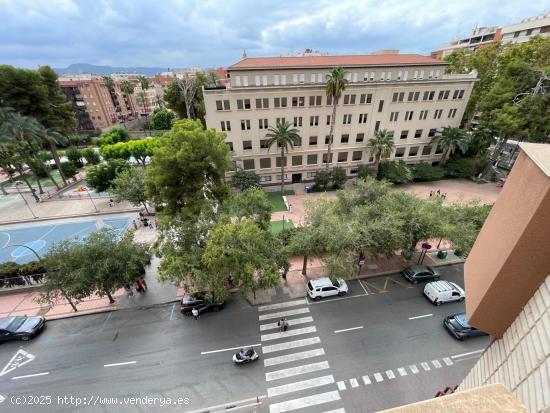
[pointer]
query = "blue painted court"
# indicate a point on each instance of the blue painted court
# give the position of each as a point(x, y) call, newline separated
point(41, 237)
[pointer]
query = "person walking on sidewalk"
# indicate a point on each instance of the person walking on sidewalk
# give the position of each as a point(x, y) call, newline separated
point(285, 324)
point(128, 289)
point(281, 325)
point(195, 313)
point(139, 286)
point(143, 283)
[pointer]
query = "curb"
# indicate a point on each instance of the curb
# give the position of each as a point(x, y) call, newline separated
point(91, 214)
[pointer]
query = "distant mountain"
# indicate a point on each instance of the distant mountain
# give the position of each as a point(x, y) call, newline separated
point(107, 70)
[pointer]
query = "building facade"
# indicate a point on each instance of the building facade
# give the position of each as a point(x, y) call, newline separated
point(521, 32)
point(406, 94)
point(479, 37)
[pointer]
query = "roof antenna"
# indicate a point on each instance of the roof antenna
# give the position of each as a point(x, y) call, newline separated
point(244, 54)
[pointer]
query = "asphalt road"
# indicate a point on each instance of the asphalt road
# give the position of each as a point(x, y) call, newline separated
point(384, 357)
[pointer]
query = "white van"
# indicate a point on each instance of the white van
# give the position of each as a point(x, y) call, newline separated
point(443, 292)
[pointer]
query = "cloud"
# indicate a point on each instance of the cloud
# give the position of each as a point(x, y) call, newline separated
point(209, 33)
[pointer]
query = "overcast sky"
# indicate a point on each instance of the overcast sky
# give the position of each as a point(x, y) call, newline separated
point(207, 33)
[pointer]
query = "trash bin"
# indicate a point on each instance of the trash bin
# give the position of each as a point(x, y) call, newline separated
point(308, 190)
point(441, 254)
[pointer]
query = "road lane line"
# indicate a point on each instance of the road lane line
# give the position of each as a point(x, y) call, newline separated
point(300, 385)
point(390, 374)
point(30, 375)
point(341, 385)
point(337, 299)
point(420, 316)
point(227, 349)
point(366, 380)
point(294, 357)
point(224, 405)
point(291, 344)
point(172, 312)
point(282, 314)
point(348, 329)
point(282, 305)
point(120, 364)
point(304, 402)
point(294, 371)
point(353, 383)
point(448, 361)
point(289, 333)
point(340, 410)
point(378, 377)
point(413, 368)
point(467, 354)
point(436, 364)
point(425, 366)
point(291, 322)
point(104, 324)
point(402, 371)
point(364, 289)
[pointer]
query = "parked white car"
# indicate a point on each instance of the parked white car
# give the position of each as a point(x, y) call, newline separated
point(443, 292)
point(324, 287)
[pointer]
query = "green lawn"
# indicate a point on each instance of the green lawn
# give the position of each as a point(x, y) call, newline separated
point(46, 182)
point(276, 200)
point(277, 226)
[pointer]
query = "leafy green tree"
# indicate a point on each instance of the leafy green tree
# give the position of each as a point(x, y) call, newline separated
point(252, 204)
point(322, 181)
point(464, 220)
point(338, 177)
point(91, 156)
point(162, 119)
point(381, 146)
point(53, 138)
point(100, 177)
point(129, 185)
point(115, 135)
point(396, 172)
point(449, 141)
point(69, 169)
point(336, 84)
point(244, 180)
point(174, 100)
point(425, 172)
point(460, 168)
point(187, 169)
point(145, 84)
point(367, 191)
point(74, 155)
point(117, 150)
point(142, 149)
point(61, 116)
point(363, 171)
point(284, 136)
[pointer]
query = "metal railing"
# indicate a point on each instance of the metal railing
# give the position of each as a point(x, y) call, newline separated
point(22, 280)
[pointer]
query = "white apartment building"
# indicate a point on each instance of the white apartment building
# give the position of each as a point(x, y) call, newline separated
point(406, 94)
point(527, 28)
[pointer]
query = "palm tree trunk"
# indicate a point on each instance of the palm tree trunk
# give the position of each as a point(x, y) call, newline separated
point(376, 166)
point(445, 156)
point(33, 192)
point(332, 122)
point(47, 169)
point(282, 171)
point(53, 150)
point(31, 167)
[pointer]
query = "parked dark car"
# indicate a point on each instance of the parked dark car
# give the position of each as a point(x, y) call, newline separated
point(418, 273)
point(458, 326)
point(202, 301)
point(20, 327)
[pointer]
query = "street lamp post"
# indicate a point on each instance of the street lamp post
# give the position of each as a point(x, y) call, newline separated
point(91, 200)
point(26, 203)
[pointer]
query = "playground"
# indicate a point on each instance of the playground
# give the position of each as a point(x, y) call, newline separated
point(16, 244)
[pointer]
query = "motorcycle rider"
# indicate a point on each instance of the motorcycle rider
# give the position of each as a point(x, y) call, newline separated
point(242, 354)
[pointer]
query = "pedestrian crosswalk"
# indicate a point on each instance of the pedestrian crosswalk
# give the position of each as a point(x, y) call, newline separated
point(296, 372)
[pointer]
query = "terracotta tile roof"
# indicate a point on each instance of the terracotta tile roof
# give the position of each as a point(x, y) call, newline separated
point(331, 61)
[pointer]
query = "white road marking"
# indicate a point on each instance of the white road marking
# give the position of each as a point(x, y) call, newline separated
point(291, 344)
point(402, 371)
point(336, 299)
point(364, 289)
point(299, 386)
point(425, 366)
point(341, 385)
point(340, 410)
point(378, 377)
point(119, 364)
point(353, 383)
point(413, 368)
point(282, 305)
point(291, 322)
point(304, 402)
point(390, 374)
point(228, 349)
point(238, 402)
point(29, 375)
point(282, 314)
point(288, 333)
point(467, 354)
point(294, 357)
point(448, 361)
point(436, 364)
point(20, 358)
point(366, 380)
point(295, 371)
point(348, 329)
point(420, 316)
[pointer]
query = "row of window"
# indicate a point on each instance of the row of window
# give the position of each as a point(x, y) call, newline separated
point(394, 116)
point(300, 78)
point(427, 96)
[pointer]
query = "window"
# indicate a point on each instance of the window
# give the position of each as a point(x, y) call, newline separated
point(280, 121)
point(245, 124)
point(398, 97)
point(353, 171)
point(312, 78)
point(278, 161)
point(360, 138)
point(418, 133)
point(298, 141)
point(371, 76)
point(314, 121)
point(377, 126)
point(461, 94)
point(344, 138)
point(437, 113)
point(431, 74)
point(312, 140)
point(279, 177)
point(315, 100)
point(399, 75)
point(265, 163)
point(426, 150)
point(297, 121)
point(438, 150)
point(421, 75)
point(219, 104)
point(413, 151)
point(238, 80)
point(276, 80)
point(415, 75)
point(328, 119)
point(437, 72)
point(264, 143)
point(329, 100)
point(409, 115)
point(432, 132)
point(389, 76)
point(262, 123)
point(380, 106)
point(283, 80)
point(295, 79)
point(452, 113)
point(298, 101)
point(327, 139)
point(406, 75)
point(302, 78)
point(264, 80)
point(248, 164)
point(297, 160)
point(230, 145)
point(266, 178)
point(423, 115)
point(319, 78)
point(325, 158)
point(429, 95)
point(399, 152)
point(413, 96)
point(247, 145)
point(349, 99)
point(342, 156)
point(258, 80)
point(404, 134)
point(355, 77)
point(362, 118)
point(366, 77)
point(394, 116)
point(382, 75)
point(280, 102)
point(243, 104)
point(226, 125)
point(347, 119)
point(365, 98)
point(245, 80)
point(357, 155)
point(312, 159)
point(262, 103)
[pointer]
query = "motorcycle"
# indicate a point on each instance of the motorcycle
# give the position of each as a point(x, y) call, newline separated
point(250, 355)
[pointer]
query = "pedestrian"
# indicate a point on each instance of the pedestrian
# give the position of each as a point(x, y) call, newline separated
point(431, 193)
point(150, 224)
point(195, 313)
point(290, 208)
point(135, 225)
point(139, 286)
point(281, 324)
point(444, 196)
point(111, 202)
point(285, 324)
point(438, 192)
point(156, 222)
point(128, 289)
point(143, 283)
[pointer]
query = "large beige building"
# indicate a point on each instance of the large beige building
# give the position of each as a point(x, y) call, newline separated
point(408, 95)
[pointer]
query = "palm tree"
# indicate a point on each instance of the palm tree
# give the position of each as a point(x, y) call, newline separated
point(54, 138)
point(380, 146)
point(128, 89)
point(449, 141)
point(284, 136)
point(336, 84)
point(144, 83)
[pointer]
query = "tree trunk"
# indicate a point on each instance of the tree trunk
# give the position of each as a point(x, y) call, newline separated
point(332, 122)
point(47, 169)
point(304, 267)
point(145, 206)
point(111, 299)
point(33, 192)
point(29, 164)
point(282, 171)
point(445, 156)
point(53, 150)
point(376, 166)
point(69, 300)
